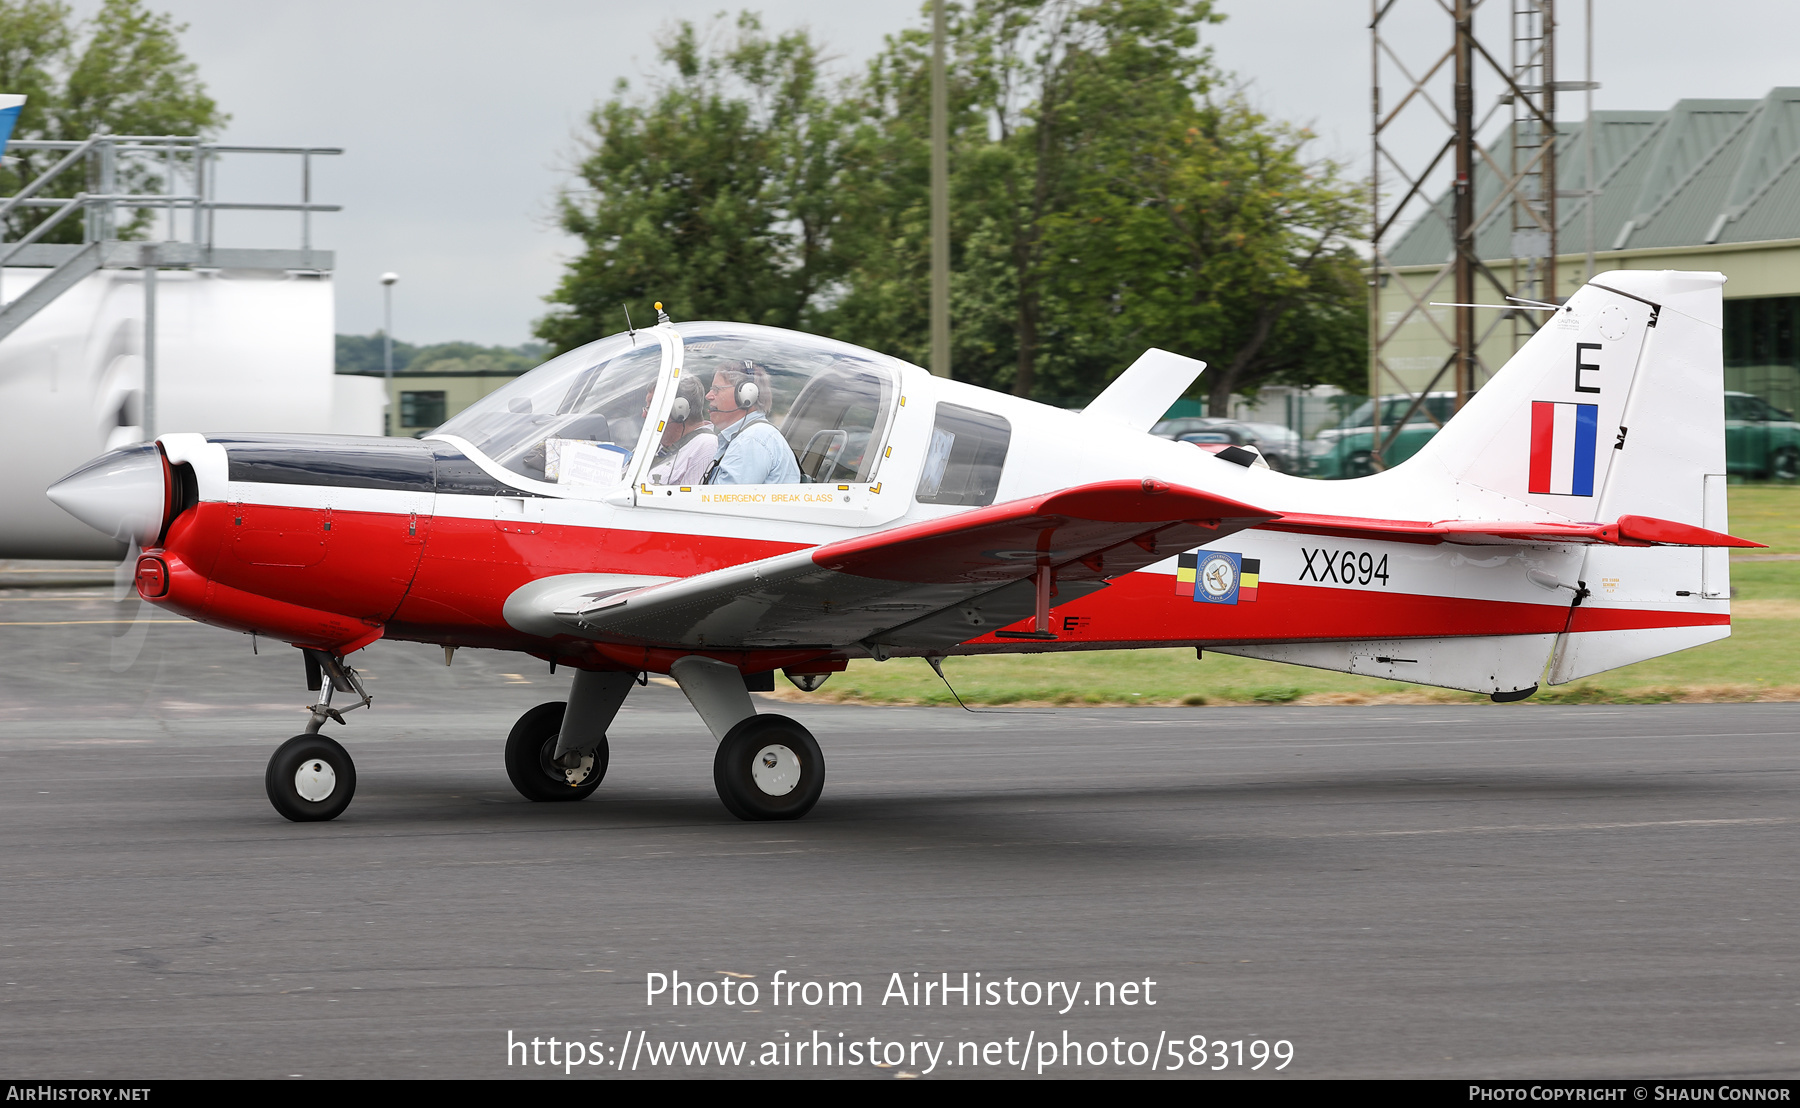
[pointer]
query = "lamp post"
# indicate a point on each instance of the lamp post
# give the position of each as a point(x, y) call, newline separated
point(940, 199)
point(387, 348)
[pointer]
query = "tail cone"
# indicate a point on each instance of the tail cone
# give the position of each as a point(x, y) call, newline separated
point(121, 493)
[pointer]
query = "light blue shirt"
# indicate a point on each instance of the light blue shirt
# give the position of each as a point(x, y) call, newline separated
point(752, 452)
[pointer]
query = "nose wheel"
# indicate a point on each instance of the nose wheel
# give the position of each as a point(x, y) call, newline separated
point(769, 767)
point(310, 778)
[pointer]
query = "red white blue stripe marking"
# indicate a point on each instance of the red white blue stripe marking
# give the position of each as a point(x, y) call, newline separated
point(1563, 441)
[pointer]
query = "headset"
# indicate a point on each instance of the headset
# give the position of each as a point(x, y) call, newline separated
point(746, 393)
point(686, 405)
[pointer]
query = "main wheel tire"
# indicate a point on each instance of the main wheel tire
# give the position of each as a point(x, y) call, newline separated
point(310, 778)
point(528, 764)
point(769, 767)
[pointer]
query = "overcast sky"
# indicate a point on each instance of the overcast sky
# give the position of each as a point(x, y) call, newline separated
point(459, 117)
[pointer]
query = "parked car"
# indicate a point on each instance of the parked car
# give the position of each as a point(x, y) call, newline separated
point(1761, 440)
point(1348, 449)
point(1183, 425)
point(1280, 447)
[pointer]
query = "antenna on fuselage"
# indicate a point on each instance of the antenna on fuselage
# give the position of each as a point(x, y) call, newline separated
point(661, 316)
point(628, 329)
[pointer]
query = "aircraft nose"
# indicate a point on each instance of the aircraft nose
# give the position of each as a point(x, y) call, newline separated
point(121, 493)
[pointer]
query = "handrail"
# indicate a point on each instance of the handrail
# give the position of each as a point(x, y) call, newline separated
point(44, 178)
point(79, 200)
point(170, 155)
point(152, 200)
point(136, 143)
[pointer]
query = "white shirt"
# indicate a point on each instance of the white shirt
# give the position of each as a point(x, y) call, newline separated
point(688, 464)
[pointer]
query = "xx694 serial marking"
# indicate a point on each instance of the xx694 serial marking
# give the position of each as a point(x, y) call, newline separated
point(1343, 567)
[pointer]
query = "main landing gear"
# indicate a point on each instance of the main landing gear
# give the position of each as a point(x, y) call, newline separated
point(310, 777)
point(767, 767)
point(558, 751)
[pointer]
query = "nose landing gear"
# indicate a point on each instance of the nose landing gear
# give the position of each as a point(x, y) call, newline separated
point(310, 777)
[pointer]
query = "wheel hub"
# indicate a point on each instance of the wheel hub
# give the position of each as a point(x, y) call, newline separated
point(578, 772)
point(775, 769)
point(315, 780)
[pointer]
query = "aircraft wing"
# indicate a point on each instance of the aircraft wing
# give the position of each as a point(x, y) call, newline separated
point(869, 588)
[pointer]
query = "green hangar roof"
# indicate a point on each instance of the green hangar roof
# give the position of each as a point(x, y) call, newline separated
point(1705, 171)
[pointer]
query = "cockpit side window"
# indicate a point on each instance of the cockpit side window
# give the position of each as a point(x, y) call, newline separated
point(826, 406)
point(833, 422)
point(964, 458)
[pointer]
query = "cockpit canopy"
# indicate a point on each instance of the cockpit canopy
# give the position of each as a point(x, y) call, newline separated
point(593, 415)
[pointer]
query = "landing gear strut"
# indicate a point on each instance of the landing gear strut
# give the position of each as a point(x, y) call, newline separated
point(310, 777)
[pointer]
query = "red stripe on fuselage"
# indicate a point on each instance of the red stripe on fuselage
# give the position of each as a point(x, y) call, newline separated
point(472, 565)
point(367, 566)
point(360, 572)
point(1139, 608)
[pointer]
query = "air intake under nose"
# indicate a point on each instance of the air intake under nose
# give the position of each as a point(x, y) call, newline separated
point(122, 493)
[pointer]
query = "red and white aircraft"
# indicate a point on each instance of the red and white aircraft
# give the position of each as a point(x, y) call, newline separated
point(1569, 520)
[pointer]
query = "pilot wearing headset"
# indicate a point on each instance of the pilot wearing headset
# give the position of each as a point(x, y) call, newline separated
point(751, 450)
point(688, 442)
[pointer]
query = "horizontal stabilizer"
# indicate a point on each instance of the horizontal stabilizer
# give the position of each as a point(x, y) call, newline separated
point(1628, 531)
point(1141, 395)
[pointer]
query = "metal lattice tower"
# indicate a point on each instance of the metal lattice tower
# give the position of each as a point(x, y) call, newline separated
point(1434, 90)
point(1533, 161)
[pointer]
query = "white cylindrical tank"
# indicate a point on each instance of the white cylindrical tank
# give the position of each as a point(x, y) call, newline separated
point(236, 350)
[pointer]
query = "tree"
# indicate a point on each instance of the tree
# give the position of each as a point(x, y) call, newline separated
point(364, 355)
point(121, 72)
point(717, 196)
point(1210, 234)
point(1108, 193)
point(1037, 84)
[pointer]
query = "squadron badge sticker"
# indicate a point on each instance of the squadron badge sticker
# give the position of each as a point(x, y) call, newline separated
point(1217, 577)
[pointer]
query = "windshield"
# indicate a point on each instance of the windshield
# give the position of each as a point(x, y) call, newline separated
point(575, 419)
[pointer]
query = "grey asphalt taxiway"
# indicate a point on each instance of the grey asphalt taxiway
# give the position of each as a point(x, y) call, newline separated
point(1517, 891)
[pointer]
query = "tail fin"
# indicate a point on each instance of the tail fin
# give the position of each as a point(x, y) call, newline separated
point(1615, 407)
